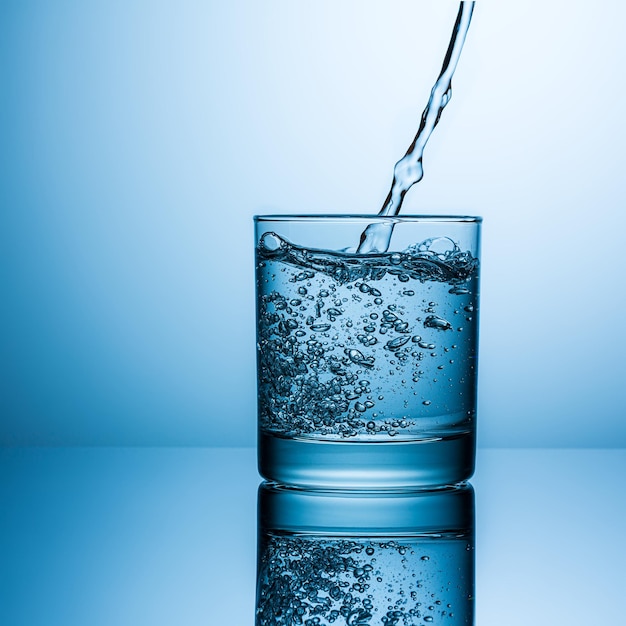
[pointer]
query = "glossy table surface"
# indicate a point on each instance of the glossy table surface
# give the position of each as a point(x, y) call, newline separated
point(164, 536)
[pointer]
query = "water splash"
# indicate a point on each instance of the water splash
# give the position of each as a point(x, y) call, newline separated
point(409, 169)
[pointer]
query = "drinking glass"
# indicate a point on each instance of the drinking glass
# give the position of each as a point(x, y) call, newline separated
point(367, 362)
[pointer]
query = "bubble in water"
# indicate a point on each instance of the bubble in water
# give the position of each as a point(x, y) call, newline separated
point(320, 327)
point(270, 242)
point(398, 342)
point(357, 357)
point(434, 321)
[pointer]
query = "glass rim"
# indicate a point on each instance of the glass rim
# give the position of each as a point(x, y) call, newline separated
point(365, 217)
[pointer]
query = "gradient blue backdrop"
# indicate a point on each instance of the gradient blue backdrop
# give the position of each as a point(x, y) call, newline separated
point(138, 139)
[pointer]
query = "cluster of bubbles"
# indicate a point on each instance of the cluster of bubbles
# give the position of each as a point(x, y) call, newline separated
point(317, 582)
point(333, 328)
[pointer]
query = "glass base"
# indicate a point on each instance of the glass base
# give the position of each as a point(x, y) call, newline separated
point(356, 465)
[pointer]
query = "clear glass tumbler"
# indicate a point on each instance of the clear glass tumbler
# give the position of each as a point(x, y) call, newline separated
point(367, 362)
point(365, 558)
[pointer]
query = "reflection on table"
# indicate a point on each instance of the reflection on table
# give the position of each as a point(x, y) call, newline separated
point(394, 558)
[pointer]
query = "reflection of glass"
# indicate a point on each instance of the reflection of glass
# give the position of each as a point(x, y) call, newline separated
point(365, 558)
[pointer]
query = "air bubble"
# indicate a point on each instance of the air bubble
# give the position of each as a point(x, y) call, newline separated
point(434, 321)
point(271, 242)
point(425, 345)
point(396, 343)
point(357, 357)
point(320, 327)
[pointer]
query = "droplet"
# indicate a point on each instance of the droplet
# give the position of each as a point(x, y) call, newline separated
point(426, 403)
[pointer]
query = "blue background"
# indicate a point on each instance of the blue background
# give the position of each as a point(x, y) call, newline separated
point(138, 139)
